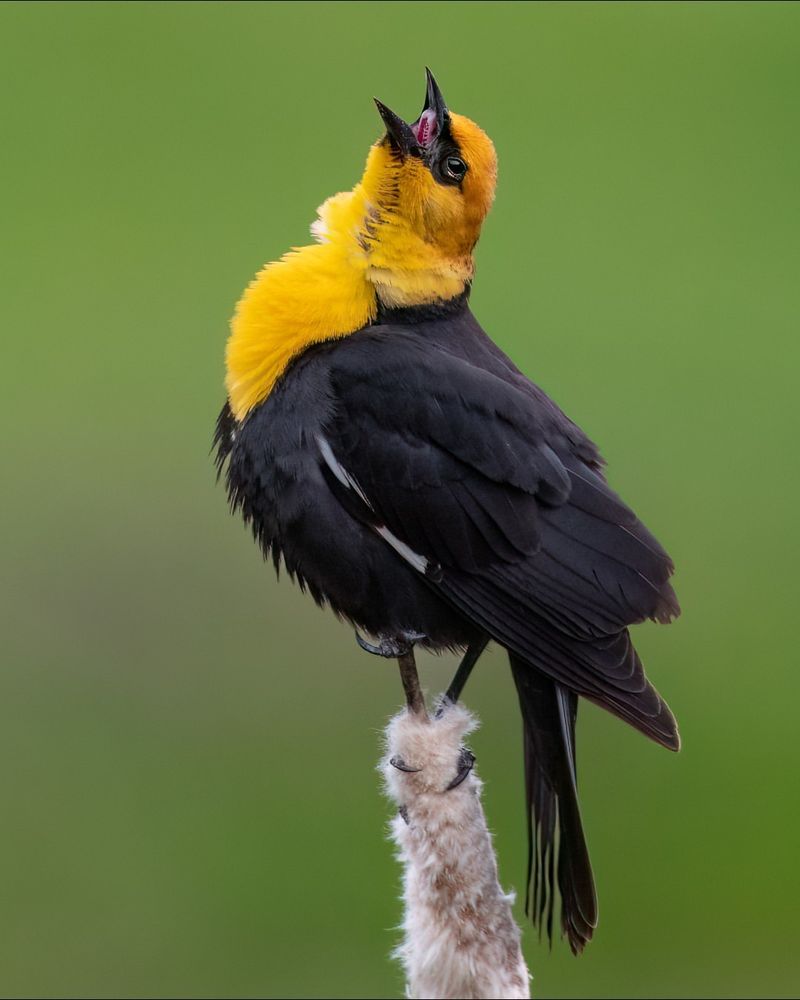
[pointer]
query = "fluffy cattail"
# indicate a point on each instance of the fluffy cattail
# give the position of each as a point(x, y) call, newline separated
point(460, 938)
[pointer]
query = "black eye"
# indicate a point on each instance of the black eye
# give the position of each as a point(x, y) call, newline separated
point(455, 167)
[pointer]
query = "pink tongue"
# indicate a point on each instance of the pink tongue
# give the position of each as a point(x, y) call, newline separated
point(425, 128)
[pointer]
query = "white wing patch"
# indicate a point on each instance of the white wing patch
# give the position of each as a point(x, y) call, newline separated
point(414, 559)
point(419, 562)
point(339, 470)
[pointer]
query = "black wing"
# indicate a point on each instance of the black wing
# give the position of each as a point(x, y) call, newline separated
point(477, 477)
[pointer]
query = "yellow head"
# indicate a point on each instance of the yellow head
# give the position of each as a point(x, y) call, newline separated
point(427, 188)
point(403, 236)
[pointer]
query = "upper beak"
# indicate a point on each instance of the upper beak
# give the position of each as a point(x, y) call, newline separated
point(435, 118)
point(434, 101)
point(400, 133)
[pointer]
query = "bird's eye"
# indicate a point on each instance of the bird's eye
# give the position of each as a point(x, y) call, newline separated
point(456, 168)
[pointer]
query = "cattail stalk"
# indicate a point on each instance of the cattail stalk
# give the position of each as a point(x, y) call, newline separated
point(460, 938)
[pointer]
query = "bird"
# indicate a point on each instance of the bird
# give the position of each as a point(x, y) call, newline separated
point(401, 469)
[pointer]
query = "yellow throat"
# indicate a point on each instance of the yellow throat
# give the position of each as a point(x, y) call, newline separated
point(398, 238)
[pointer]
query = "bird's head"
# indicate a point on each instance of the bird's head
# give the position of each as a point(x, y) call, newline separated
point(426, 190)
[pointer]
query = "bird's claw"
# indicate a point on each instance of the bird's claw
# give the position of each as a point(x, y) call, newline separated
point(401, 765)
point(390, 646)
point(445, 702)
point(466, 761)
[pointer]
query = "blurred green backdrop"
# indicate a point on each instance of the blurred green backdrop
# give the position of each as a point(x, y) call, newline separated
point(190, 806)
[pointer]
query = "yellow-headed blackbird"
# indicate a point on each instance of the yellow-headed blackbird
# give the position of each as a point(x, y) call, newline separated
point(409, 476)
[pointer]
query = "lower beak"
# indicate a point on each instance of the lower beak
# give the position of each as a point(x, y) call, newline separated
point(400, 133)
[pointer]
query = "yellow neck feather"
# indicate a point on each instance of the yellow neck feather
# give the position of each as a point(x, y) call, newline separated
point(376, 244)
point(312, 294)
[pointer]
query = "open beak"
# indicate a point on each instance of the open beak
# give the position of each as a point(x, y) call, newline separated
point(413, 140)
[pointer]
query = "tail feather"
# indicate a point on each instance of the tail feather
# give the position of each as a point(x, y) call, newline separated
point(607, 672)
point(549, 712)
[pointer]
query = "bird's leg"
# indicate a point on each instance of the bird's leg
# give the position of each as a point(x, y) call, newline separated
point(471, 657)
point(410, 679)
point(401, 647)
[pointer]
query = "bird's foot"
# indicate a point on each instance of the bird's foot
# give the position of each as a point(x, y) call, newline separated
point(390, 646)
point(466, 762)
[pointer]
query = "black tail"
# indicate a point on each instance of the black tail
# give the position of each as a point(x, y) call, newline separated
point(549, 712)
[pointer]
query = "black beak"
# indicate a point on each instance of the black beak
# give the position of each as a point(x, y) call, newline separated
point(400, 133)
point(419, 138)
point(433, 124)
point(434, 101)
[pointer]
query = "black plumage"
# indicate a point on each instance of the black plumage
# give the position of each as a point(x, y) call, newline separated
point(413, 479)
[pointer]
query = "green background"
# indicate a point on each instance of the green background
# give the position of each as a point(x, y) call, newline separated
point(189, 800)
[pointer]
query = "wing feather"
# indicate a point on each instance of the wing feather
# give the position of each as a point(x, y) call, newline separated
point(481, 475)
